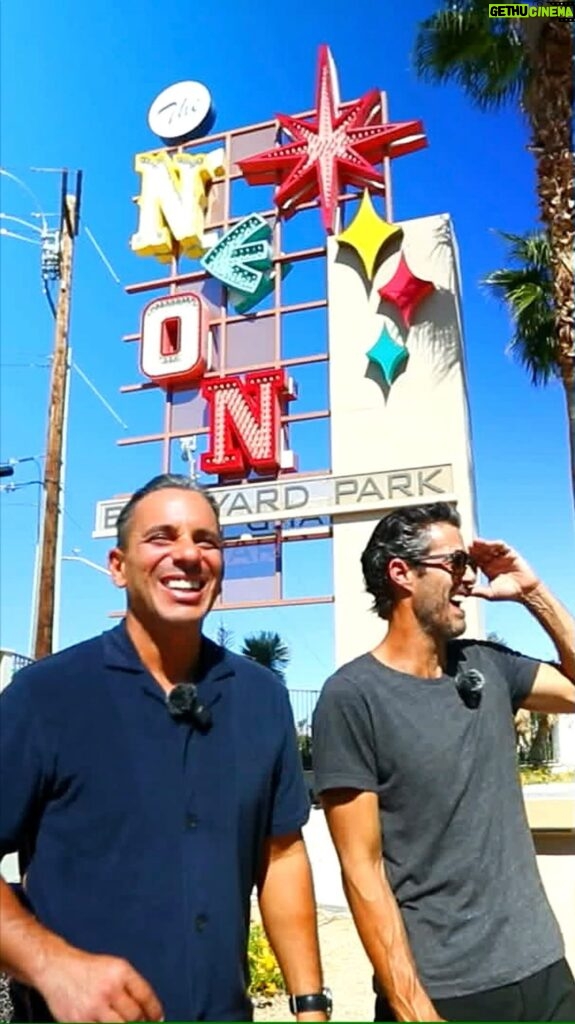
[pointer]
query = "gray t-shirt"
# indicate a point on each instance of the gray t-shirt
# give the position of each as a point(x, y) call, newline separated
point(456, 844)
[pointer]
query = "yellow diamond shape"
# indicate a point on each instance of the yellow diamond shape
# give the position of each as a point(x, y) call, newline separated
point(368, 233)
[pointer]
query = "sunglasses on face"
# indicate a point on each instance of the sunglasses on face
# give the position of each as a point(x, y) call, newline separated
point(455, 562)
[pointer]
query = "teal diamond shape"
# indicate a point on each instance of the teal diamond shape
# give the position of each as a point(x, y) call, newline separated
point(388, 355)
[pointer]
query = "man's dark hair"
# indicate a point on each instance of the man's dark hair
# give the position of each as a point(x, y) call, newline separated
point(164, 482)
point(401, 534)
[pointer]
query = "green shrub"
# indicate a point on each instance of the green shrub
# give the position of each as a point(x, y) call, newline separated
point(305, 750)
point(529, 774)
point(266, 979)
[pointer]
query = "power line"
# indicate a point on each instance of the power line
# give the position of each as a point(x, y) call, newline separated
point(20, 220)
point(22, 504)
point(99, 396)
point(102, 255)
point(49, 299)
point(24, 366)
point(11, 487)
point(68, 515)
point(20, 238)
point(49, 240)
point(14, 177)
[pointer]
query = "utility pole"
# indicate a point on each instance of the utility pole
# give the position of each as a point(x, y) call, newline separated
point(56, 416)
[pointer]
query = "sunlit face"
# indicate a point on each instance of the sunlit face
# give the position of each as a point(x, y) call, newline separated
point(171, 566)
point(438, 591)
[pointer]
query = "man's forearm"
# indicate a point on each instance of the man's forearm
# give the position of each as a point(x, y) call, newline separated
point(26, 947)
point(288, 912)
point(381, 929)
point(76, 985)
point(557, 623)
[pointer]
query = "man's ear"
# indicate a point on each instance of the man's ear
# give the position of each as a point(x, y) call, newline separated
point(400, 573)
point(116, 567)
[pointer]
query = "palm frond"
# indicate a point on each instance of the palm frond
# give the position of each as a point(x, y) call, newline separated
point(269, 650)
point(526, 289)
point(532, 249)
point(486, 57)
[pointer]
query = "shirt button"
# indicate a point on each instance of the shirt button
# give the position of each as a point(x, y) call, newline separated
point(201, 922)
point(191, 821)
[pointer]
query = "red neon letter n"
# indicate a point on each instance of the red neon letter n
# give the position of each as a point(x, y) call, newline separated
point(245, 422)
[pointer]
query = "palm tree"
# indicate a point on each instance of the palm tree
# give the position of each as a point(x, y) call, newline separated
point(541, 749)
point(494, 638)
point(527, 290)
point(528, 60)
point(268, 648)
point(224, 636)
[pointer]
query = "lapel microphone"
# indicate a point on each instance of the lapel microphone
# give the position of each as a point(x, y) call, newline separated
point(184, 705)
point(469, 685)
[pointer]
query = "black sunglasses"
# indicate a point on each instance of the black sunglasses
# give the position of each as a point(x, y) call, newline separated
point(455, 562)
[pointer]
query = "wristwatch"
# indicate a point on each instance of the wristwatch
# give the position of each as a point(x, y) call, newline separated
point(317, 1002)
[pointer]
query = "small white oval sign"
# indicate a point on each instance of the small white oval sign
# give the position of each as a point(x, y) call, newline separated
point(180, 111)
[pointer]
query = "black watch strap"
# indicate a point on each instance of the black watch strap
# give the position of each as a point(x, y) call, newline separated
point(317, 1002)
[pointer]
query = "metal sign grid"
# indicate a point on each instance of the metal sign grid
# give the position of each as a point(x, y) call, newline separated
point(184, 415)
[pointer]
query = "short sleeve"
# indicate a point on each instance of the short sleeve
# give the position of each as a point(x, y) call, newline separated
point(343, 740)
point(290, 809)
point(23, 768)
point(518, 671)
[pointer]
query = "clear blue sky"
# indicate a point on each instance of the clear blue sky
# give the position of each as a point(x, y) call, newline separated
point(76, 84)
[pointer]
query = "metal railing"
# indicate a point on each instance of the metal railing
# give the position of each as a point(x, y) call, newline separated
point(11, 662)
point(303, 703)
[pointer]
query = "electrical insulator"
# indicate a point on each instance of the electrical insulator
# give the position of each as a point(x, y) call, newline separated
point(51, 256)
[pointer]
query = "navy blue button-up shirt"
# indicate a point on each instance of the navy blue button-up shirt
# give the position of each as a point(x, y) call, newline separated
point(141, 836)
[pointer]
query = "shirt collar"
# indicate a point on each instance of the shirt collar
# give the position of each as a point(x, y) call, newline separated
point(120, 653)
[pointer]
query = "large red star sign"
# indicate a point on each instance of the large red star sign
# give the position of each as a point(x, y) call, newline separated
point(338, 147)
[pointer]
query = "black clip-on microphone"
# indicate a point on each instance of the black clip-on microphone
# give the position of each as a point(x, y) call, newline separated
point(469, 685)
point(184, 705)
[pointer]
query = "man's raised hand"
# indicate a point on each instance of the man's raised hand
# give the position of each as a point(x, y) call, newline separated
point(510, 577)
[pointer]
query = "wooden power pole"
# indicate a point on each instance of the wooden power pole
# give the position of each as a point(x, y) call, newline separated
point(45, 596)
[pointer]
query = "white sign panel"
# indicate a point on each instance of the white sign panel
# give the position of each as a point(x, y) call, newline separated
point(309, 496)
point(180, 111)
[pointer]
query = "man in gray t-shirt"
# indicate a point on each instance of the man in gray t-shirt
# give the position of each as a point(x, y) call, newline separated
point(414, 757)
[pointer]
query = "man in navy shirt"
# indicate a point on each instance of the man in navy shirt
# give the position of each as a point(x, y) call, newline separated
point(150, 779)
